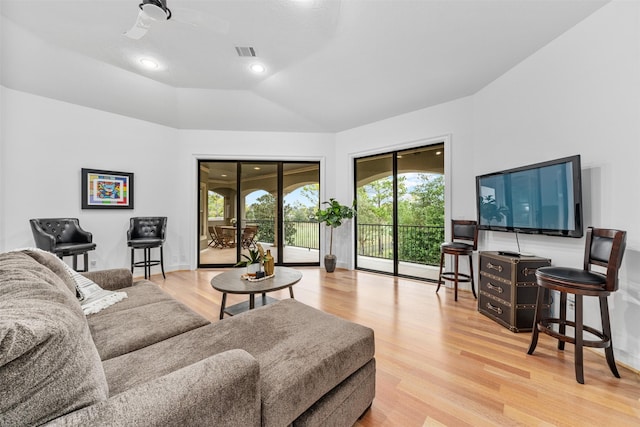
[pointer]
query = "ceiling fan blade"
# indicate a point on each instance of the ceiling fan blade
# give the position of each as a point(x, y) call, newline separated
point(140, 28)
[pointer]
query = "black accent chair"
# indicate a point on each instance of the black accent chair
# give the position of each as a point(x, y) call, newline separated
point(63, 237)
point(460, 230)
point(604, 248)
point(147, 233)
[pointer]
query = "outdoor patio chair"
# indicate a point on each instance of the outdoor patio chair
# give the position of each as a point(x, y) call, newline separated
point(216, 241)
point(248, 238)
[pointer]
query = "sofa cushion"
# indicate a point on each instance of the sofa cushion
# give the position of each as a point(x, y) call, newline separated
point(141, 293)
point(303, 354)
point(55, 264)
point(48, 363)
point(147, 316)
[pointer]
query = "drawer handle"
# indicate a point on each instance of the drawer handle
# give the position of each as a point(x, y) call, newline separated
point(492, 308)
point(494, 267)
point(528, 271)
point(493, 287)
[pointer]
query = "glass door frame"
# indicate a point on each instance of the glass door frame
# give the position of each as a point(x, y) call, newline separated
point(445, 142)
point(279, 260)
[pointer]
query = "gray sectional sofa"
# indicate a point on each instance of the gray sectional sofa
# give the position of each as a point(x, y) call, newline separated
point(148, 360)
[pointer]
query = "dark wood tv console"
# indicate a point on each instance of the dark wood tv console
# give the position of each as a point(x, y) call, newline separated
point(508, 289)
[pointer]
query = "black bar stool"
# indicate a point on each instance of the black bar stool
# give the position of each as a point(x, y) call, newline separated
point(147, 233)
point(604, 248)
point(460, 230)
point(63, 237)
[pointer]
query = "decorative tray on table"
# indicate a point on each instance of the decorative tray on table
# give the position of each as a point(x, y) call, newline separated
point(252, 277)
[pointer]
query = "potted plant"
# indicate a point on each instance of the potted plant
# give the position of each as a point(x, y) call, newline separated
point(333, 216)
point(251, 261)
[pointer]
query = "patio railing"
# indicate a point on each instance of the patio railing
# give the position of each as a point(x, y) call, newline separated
point(418, 244)
point(301, 234)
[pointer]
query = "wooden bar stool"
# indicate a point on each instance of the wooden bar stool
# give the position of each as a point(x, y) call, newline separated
point(460, 230)
point(604, 248)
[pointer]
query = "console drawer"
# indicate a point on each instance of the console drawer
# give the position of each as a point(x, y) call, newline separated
point(508, 289)
point(495, 309)
point(496, 288)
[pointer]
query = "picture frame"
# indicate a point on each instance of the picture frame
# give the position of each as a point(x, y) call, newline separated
point(103, 189)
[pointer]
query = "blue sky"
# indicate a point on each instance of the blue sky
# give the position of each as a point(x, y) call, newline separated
point(291, 198)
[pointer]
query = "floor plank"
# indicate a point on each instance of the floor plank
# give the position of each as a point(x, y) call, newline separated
point(440, 362)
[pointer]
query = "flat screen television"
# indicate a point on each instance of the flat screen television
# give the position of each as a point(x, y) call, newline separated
point(543, 198)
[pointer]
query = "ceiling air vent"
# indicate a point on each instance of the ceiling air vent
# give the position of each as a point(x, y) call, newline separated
point(245, 51)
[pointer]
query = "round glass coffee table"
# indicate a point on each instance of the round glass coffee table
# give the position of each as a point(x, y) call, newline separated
point(230, 282)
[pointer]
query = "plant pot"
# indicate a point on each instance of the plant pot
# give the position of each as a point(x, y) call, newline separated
point(253, 268)
point(330, 263)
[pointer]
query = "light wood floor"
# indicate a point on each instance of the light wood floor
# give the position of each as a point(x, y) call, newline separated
point(440, 362)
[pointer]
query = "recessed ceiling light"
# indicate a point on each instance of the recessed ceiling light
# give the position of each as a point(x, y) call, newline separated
point(438, 153)
point(149, 63)
point(258, 68)
point(224, 175)
point(257, 168)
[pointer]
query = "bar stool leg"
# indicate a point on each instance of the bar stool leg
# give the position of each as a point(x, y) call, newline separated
point(606, 330)
point(579, 340)
point(75, 262)
point(473, 288)
point(562, 328)
point(147, 267)
point(440, 274)
point(537, 317)
point(86, 262)
point(455, 281)
point(132, 259)
point(162, 262)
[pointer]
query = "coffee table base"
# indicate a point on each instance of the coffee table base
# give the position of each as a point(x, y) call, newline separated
point(245, 306)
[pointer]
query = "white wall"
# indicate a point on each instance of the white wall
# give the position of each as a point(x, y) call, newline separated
point(2, 168)
point(578, 95)
point(47, 142)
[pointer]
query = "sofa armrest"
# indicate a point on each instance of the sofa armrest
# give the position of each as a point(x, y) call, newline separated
point(112, 280)
point(221, 390)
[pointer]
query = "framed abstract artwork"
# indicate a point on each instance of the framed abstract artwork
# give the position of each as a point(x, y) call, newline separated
point(106, 189)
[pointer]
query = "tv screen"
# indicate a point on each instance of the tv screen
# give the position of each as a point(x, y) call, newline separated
point(544, 198)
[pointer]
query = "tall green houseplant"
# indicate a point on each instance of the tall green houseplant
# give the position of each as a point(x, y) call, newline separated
point(333, 216)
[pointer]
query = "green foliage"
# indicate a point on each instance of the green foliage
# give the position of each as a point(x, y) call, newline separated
point(215, 204)
point(311, 192)
point(263, 213)
point(252, 258)
point(334, 215)
point(263, 208)
point(420, 218)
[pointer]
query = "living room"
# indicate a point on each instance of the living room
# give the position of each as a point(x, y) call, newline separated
point(576, 95)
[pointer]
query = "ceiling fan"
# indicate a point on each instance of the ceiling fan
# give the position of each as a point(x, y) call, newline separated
point(157, 11)
point(150, 11)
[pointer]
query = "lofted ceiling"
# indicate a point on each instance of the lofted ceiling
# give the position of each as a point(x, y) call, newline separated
point(330, 65)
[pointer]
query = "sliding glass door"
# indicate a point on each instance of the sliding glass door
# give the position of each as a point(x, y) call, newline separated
point(400, 222)
point(243, 203)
